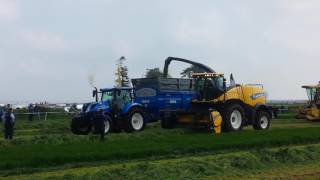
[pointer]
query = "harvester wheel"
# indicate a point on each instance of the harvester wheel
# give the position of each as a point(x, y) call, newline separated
point(135, 121)
point(262, 121)
point(233, 118)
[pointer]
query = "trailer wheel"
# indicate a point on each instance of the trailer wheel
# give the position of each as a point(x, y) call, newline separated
point(262, 121)
point(169, 122)
point(80, 126)
point(233, 118)
point(135, 121)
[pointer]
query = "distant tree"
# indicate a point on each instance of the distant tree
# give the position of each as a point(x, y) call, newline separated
point(192, 69)
point(122, 76)
point(154, 73)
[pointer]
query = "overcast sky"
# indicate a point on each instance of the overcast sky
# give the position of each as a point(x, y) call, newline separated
point(49, 48)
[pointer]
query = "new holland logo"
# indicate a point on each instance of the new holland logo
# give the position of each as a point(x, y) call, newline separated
point(256, 96)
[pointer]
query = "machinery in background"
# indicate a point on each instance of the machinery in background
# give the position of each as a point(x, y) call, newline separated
point(311, 111)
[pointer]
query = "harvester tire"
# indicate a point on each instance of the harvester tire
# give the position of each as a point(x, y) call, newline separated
point(262, 121)
point(135, 121)
point(233, 118)
point(80, 126)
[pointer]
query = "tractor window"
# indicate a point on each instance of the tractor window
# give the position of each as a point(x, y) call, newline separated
point(311, 94)
point(317, 96)
point(122, 98)
point(107, 96)
point(124, 95)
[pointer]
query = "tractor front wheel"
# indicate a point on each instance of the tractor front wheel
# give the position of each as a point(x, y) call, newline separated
point(107, 124)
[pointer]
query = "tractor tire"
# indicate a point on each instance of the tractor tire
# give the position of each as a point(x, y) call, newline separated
point(262, 121)
point(135, 121)
point(168, 122)
point(233, 118)
point(80, 126)
point(107, 125)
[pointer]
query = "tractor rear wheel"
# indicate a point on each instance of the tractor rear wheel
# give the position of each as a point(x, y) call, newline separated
point(233, 118)
point(135, 121)
point(262, 121)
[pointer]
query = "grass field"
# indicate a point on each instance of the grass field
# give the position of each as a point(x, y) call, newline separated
point(47, 150)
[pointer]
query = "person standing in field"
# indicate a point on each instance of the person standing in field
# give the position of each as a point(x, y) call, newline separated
point(31, 112)
point(8, 120)
point(99, 123)
point(1, 113)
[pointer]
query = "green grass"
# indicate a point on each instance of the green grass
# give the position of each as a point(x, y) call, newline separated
point(243, 164)
point(43, 145)
point(39, 155)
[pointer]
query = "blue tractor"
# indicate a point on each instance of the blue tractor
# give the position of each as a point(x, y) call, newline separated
point(120, 109)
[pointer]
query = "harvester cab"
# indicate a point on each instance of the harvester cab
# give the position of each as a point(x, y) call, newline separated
point(312, 110)
point(120, 110)
point(209, 86)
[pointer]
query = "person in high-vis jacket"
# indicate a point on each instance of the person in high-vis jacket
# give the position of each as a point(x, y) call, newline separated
point(8, 120)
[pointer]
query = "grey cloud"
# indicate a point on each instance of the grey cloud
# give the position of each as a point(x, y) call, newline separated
point(52, 47)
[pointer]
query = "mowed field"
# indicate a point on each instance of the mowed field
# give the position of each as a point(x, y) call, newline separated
point(48, 150)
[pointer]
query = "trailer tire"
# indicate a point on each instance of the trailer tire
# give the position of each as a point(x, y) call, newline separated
point(262, 121)
point(233, 118)
point(168, 122)
point(80, 126)
point(135, 121)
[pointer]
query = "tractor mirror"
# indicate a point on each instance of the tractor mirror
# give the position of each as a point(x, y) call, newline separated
point(94, 93)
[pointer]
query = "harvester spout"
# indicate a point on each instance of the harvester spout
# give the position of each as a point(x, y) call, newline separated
point(169, 59)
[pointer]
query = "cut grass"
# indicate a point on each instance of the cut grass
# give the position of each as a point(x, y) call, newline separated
point(42, 156)
point(243, 164)
point(39, 145)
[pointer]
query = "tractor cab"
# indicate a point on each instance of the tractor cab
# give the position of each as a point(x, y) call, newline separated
point(209, 86)
point(116, 97)
point(313, 92)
